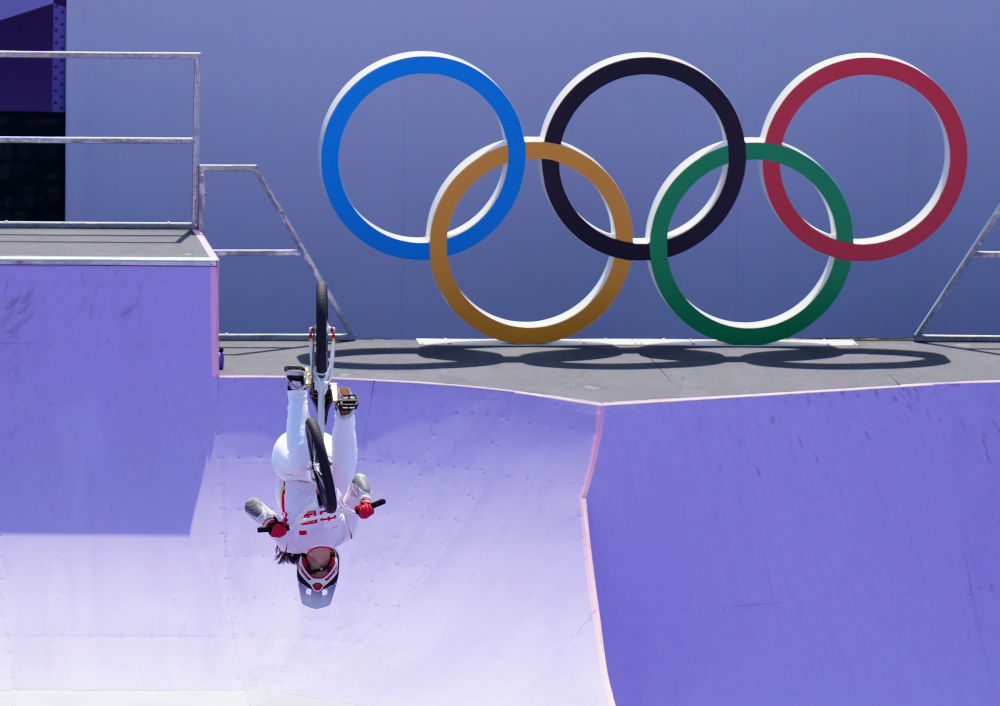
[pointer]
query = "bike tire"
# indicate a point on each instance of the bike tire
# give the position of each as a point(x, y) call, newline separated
point(326, 491)
point(322, 327)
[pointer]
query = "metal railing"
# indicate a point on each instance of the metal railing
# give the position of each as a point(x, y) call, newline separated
point(973, 253)
point(198, 170)
point(194, 139)
point(298, 251)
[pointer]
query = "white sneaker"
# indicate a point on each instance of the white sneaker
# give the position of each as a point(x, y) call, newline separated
point(260, 512)
point(295, 376)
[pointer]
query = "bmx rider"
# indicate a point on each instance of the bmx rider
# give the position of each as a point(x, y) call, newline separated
point(304, 532)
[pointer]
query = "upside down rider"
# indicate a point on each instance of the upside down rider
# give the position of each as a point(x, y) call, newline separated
point(306, 534)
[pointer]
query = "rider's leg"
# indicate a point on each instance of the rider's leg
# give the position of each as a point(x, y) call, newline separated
point(343, 447)
point(294, 485)
point(290, 455)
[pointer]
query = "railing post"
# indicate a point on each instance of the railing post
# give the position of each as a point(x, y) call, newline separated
point(196, 148)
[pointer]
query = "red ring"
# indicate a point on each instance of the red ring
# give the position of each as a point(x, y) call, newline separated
point(821, 75)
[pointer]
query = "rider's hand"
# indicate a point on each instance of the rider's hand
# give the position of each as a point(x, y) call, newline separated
point(276, 529)
point(365, 509)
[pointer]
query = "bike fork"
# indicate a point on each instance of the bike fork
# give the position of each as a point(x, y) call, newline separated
point(321, 381)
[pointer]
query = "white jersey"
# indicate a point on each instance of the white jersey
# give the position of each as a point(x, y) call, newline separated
point(309, 525)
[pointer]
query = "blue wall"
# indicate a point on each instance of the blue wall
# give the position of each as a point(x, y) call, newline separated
point(271, 70)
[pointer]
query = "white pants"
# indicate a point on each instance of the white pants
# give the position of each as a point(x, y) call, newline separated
point(290, 455)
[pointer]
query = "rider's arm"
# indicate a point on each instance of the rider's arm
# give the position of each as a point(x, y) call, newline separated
point(359, 492)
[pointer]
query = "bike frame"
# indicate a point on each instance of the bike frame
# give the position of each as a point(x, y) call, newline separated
point(321, 382)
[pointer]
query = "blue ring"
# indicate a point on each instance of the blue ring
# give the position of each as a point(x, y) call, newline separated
point(367, 81)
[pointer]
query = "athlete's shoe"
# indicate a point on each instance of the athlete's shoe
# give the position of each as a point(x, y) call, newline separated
point(347, 401)
point(260, 512)
point(360, 486)
point(295, 376)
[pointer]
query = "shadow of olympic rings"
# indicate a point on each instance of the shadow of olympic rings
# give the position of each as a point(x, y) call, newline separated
point(579, 358)
point(844, 359)
point(439, 357)
point(603, 357)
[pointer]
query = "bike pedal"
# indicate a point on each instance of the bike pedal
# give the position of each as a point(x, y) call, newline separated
point(347, 402)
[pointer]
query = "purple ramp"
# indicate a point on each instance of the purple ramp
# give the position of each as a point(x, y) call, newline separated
point(109, 397)
point(827, 548)
point(469, 587)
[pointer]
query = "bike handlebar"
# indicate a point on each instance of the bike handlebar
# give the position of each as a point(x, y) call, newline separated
point(375, 503)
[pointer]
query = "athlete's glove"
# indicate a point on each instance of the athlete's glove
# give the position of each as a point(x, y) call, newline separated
point(276, 529)
point(365, 509)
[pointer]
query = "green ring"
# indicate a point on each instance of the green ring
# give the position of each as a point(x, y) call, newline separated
point(751, 332)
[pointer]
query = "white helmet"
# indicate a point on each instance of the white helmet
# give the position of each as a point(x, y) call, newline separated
point(317, 591)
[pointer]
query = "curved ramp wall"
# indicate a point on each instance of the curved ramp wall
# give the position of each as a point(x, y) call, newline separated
point(814, 548)
point(469, 586)
point(822, 548)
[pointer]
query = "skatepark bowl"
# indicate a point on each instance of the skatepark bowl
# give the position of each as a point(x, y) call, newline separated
point(575, 524)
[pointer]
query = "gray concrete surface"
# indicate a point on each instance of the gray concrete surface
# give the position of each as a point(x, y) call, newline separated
point(28, 244)
point(619, 373)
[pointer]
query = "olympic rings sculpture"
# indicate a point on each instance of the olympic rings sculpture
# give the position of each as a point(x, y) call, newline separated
point(659, 241)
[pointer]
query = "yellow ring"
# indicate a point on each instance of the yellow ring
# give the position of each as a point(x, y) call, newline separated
point(555, 327)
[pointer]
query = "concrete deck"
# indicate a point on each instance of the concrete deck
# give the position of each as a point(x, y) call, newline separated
point(622, 373)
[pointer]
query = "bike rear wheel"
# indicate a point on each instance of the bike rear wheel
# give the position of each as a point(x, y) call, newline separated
point(326, 491)
point(322, 329)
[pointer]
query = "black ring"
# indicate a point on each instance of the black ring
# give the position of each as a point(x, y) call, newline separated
point(561, 112)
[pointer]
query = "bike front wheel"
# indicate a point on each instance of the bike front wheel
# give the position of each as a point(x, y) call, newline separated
point(326, 491)
point(322, 329)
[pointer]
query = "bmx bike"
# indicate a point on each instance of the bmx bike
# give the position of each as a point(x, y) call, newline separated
point(322, 342)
